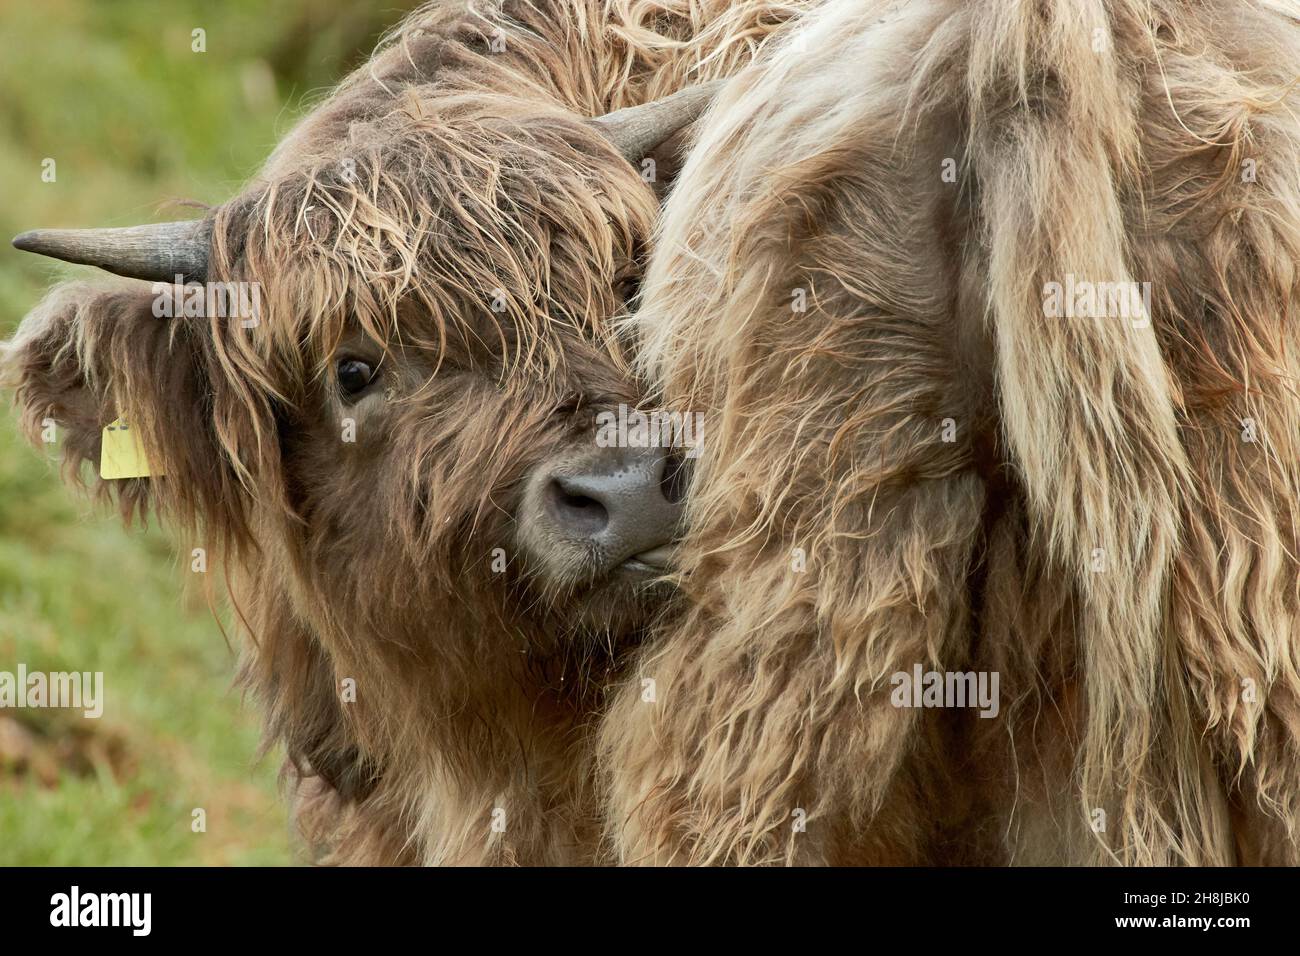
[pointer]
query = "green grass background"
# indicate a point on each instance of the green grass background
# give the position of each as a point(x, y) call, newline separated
point(134, 120)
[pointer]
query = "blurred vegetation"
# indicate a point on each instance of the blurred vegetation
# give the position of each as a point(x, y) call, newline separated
point(133, 119)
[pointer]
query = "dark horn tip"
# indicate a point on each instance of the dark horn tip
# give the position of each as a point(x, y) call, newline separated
point(27, 241)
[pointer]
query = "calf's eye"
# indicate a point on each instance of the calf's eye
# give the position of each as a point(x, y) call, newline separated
point(354, 377)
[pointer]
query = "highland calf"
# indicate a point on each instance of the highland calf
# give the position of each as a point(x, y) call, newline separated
point(435, 564)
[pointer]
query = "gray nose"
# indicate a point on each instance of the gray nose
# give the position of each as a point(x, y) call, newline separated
point(626, 501)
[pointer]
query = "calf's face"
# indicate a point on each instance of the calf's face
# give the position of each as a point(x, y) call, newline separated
point(398, 445)
point(451, 468)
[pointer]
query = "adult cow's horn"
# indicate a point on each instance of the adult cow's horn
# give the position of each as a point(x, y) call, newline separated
point(636, 130)
point(159, 252)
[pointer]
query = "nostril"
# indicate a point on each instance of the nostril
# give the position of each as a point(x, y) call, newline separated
point(676, 475)
point(574, 511)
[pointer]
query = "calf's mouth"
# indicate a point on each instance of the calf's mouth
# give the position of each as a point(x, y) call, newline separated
point(598, 527)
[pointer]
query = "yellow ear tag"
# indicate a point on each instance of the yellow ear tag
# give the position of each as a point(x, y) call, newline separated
point(120, 453)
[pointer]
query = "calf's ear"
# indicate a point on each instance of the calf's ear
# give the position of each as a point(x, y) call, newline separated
point(92, 353)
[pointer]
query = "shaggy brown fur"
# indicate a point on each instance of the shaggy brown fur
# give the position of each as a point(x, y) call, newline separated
point(1114, 528)
point(454, 171)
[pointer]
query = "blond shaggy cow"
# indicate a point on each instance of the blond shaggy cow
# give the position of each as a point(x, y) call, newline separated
point(434, 565)
point(1112, 528)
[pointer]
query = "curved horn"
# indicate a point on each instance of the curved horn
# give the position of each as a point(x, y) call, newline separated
point(158, 252)
point(636, 130)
